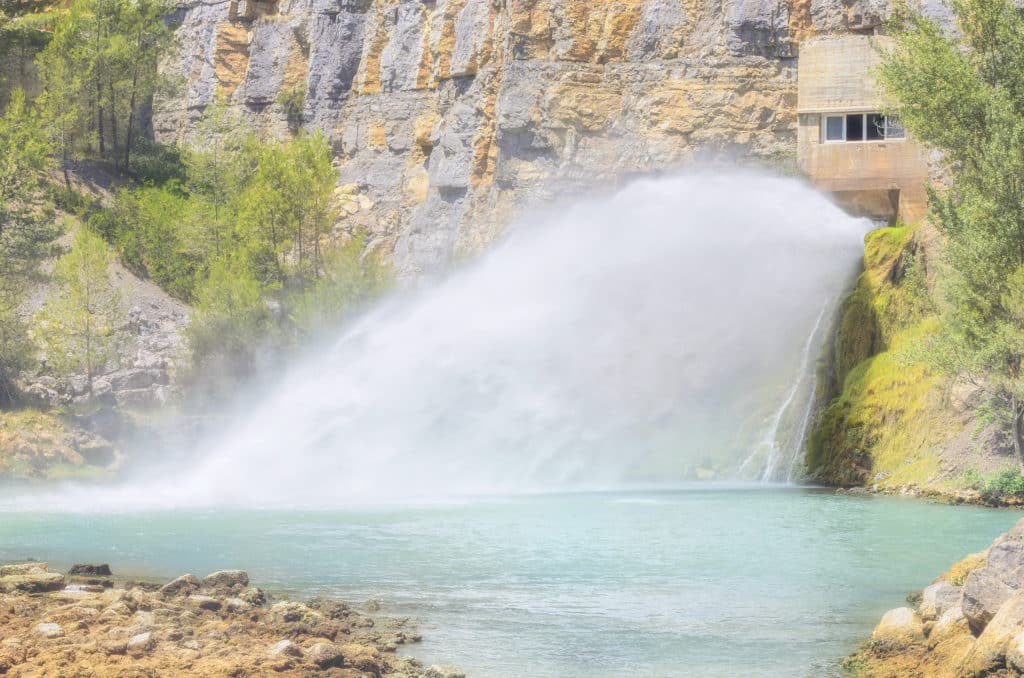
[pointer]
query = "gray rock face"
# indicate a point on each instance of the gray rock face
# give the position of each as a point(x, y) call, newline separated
point(987, 589)
point(938, 598)
point(450, 117)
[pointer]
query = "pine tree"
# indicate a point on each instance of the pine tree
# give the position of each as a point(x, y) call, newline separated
point(79, 326)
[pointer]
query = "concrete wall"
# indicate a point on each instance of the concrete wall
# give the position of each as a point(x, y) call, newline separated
point(881, 179)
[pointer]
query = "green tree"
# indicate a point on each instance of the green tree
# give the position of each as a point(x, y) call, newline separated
point(231, 320)
point(79, 325)
point(964, 95)
point(100, 67)
point(26, 225)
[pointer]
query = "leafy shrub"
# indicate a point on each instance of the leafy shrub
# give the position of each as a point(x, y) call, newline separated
point(1008, 484)
point(155, 163)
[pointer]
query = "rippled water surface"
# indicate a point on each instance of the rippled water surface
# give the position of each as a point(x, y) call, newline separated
point(700, 582)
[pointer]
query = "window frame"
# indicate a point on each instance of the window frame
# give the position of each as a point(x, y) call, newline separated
point(823, 129)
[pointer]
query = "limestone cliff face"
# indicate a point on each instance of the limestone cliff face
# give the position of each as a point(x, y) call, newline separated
point(449, 115)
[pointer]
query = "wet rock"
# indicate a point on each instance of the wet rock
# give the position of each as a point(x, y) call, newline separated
point(285, 648)
point(254, 596)
point(205, 602)
point(49, 630)
point(140, 644)
point(989, 650)
point(184, 585)
point(443, 671)
point(289, 613)
point(226, 580)
point(898, 629)
point(938, 598)
point(32, 583)
point(325, 655)
point(366, 658)
point(91, 570)
point(23, 568)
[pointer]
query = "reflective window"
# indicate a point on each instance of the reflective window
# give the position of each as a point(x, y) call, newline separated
point(834, 128)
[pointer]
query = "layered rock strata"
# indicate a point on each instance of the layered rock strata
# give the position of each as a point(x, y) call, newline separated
point(448, 116)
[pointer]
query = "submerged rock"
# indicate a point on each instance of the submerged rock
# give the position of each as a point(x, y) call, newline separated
point(443, 671)
point(91, 570)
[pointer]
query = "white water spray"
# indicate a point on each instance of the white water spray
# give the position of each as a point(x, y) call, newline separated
point(643, 338)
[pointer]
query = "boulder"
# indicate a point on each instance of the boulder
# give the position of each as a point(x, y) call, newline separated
point(285, 648)
point(984, 593)
point(325, 655)
point(938, 598)
point(443, 671)
point(898, 629)
point(32, 583)
point(140, 643)
point(989, 651)
point(205, 602)
point(237, 605)
point(1015, 653)
point(49, 630)
point(290, 613)
point(951, 623)
point(365, 658)
point(254, 596)
point(23, 568)
point(184, 585)
point(90, 570)
point(226, 580)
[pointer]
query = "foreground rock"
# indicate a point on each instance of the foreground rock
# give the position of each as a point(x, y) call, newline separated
point(217, 626)
point(970, 622)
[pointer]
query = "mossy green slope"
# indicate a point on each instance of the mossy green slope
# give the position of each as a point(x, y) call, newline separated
point(885, 412)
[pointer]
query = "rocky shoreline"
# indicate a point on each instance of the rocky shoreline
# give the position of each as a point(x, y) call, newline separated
point(87, 624)
point(968, 623)
point(955, 497)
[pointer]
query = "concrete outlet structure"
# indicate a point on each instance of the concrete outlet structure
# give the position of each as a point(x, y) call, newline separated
point(845, 144)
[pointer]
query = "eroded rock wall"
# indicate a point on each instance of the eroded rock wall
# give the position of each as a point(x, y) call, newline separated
point(449, 116)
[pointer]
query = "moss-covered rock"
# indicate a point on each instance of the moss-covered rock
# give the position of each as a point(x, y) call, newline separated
point(884, 411)
point(37, 445)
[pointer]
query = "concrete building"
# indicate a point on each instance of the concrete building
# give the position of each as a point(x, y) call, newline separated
point(844, 142)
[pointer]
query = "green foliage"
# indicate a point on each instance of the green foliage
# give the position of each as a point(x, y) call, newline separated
point(99, 68)
point(351, 279)
point(293, 101)
point(965, 96)
point(25, 228)
point(153, 163)
point(885, 410)
point(79, 326)
point(232, 320)
point(243, 230)
point(1003, 486)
